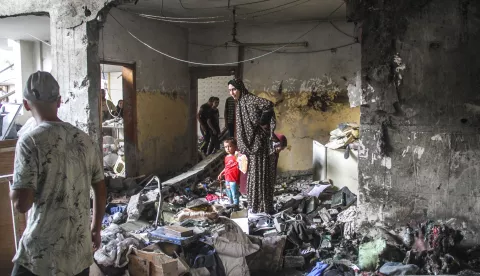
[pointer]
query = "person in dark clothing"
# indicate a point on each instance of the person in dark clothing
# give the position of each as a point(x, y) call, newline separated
point(230, 116)
point(207, 128)
point(255, 125)
point(215, 117)
point(119, 111)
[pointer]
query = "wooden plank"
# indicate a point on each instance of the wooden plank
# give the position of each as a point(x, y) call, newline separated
point(7, 240)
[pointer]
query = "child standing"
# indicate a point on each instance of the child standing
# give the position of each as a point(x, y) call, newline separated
point(231, 171)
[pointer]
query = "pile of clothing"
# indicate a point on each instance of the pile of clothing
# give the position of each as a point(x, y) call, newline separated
point(314, 231)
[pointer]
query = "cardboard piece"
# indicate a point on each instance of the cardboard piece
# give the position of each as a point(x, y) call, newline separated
point(241, 219)
point(144, 263)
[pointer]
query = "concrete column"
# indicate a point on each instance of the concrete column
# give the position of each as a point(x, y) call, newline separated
point(76, 66)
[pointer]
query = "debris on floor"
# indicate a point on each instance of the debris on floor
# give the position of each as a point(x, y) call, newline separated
point(343, 136)
point(193, 229)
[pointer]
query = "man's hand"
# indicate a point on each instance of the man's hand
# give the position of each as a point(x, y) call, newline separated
point(96, 239)
point(219, 178)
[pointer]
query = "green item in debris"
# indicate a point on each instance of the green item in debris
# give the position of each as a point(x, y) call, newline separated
point(368, 255)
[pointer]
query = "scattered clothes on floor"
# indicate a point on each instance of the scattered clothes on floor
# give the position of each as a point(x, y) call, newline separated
point(398, 269)
point(116, 246)
point(318, 269)
point(212, 197)
point(313, 232)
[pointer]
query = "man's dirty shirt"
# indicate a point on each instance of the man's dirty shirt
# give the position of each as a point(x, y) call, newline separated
point(59, 162)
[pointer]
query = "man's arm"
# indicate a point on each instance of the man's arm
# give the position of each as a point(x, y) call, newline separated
point(22, 191)
point(210, 125)
point(200, 118)
point(22, 199)
point(99, 198)
point(99, 202)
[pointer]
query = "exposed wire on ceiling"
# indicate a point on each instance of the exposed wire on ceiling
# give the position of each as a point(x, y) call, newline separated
point(43, 41)
point(319, 21)
point(338, 29)
point(173, 18)
point(222, 7)
point(272, 12)
point(213, 64)
point(331, 49)
point(272, 8)
point(181, 21)
point(246, 16)
point(246, 60)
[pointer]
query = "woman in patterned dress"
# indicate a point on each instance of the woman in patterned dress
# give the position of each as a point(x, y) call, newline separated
point(255, 123)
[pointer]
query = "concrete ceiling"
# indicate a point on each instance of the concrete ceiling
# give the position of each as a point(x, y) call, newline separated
point(247, 11)
point(18, 28)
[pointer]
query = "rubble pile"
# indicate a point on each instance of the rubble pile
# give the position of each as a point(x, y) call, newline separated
point(192, 229)
point(114, 156)
point(344, 136)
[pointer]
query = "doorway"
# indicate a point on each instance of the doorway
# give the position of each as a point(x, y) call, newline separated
point(206, 82)
point(119, 118)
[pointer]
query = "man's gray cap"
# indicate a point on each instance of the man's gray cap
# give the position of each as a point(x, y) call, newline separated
point(41, 86)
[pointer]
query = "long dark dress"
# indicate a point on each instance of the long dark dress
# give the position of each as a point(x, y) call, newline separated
point(256, 143)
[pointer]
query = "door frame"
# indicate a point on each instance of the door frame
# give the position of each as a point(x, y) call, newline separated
point(129, 114)
point(202, 72)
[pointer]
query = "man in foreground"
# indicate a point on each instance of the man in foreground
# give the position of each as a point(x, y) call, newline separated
point(55, 166)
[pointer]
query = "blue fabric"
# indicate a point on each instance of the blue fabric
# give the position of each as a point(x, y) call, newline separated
point(233, 192)
point(117, 209)
point(318, 269)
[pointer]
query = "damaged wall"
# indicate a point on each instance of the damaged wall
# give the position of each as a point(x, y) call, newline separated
point(296, 76)
point(75, 63)
point(421, 155)
point(162, 85)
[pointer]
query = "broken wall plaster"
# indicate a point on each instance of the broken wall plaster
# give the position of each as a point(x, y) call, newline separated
point(288, 80)
point(298, 122)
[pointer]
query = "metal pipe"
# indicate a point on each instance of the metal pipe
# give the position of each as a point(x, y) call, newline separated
point(6, 176)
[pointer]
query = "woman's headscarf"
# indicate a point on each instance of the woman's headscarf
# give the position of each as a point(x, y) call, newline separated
point(251, 112)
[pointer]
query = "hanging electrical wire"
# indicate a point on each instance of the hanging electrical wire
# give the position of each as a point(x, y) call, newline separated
point(181, 21)
point(173, 18)
point(272, 8)
point(39, 39)
point(212, 64)
point(338, 29)
point(255, 16)
point(246, 16)
point(326, 19)
point(236, 62)
point(332, 49)
point(222, 7)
